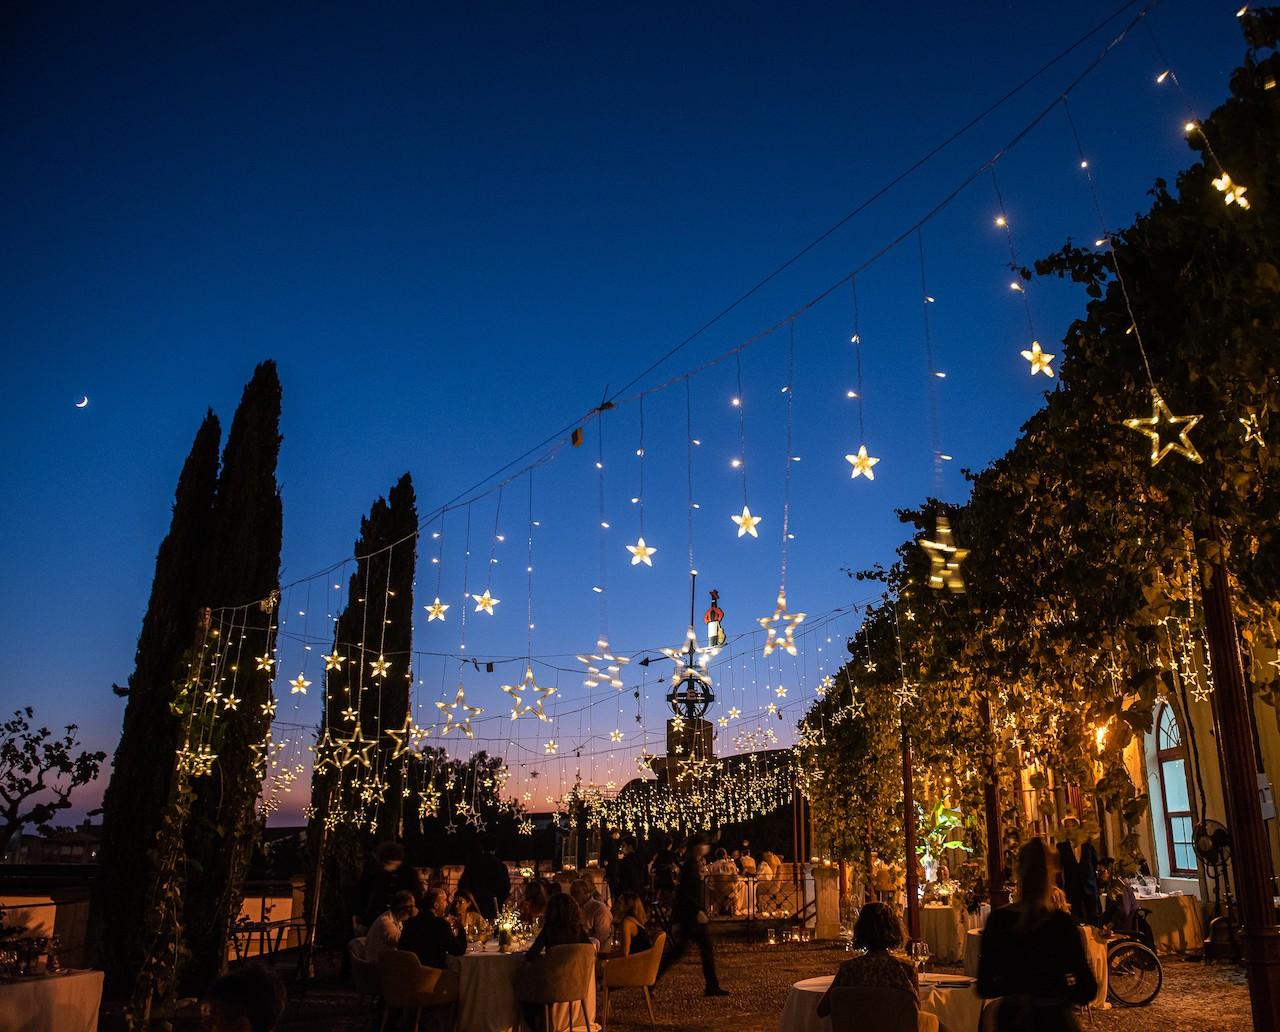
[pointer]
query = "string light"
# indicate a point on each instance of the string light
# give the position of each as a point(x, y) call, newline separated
point(1161, 417)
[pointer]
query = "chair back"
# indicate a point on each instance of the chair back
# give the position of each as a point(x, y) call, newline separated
point(363, 974)
point(880, 1007)
point(990, 1019)
point(635, 969)
point(564, 974)
point(404, 980)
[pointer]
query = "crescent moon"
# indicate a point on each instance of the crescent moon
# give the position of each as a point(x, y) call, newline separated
point(83, 402)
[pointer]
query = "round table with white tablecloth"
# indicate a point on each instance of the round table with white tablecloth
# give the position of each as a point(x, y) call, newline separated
point(1177, 924)
point(487, 993)
point(948, 1003)
point(51, 1003)
point(942, 927)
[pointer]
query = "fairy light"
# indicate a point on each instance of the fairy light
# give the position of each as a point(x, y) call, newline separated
point(862, 462)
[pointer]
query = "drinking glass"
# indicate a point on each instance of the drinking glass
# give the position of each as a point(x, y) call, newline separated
point(919, 953)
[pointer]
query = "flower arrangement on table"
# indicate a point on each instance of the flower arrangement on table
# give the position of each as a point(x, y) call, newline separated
point(511, 928)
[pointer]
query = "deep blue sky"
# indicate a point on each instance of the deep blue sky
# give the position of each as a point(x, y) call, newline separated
point(453, 227)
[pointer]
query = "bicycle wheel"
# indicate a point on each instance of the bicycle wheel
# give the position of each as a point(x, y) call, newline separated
point(1134, 974)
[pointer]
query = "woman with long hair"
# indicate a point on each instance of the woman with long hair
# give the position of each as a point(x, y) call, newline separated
point(561, 926)
point(466, 912)
point(630, 921)
point(1033, 954)
point(877, 931)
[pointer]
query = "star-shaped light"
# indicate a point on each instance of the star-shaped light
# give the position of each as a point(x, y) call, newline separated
point(910, 615)
point(1162, 417)
point(1039, 360)
point(944, 560)
point(333, 661)
point(403, 737)
point(1233, 192)
point(615, 735)
point(379, 667)
point(641, 553)
point(231, 702)
point(722, 721)
point(354, 749)
point(746, 522)
point(790, 621)
point(269, 708)
point(485, 602)
point(299, 685)
point(780, 692)
point(459, 705)
point(349, 714)
point(1252, 429)
point(518, 706)
point(436, 610)
point(612, 666)
point(266, 662)
point(870, 666)
point(734, 713)
point(772, 707)
point(861, 463)
point(550, 747)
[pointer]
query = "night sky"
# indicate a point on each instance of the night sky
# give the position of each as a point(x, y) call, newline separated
point(456, 228)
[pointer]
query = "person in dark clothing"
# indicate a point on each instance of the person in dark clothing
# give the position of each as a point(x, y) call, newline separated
point(562, 926)
point(432, 936)
point(1033, 956)
point(487, 879)
point(689, 920)
point(384, 875)
point(1078, 866)
point(633, 875)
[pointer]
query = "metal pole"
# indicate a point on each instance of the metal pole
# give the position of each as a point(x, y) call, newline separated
point(909, 841)
point(1232, 712)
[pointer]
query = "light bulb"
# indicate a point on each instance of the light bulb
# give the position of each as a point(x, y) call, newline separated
point(1162, 76)
point(736, 402)
point(1000, 221)
point(850, 394)
point(1190, 127)
point(940, 375)
point(735, 463)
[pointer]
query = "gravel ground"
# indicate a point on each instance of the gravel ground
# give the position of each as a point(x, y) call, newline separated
point(1195, 997)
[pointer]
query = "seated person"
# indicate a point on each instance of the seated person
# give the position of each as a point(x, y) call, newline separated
point(533, 903)
point(878, 931)
point(432, 936)
point(631, 922)
point(561, 926)
point(248, 1000)
point(384, 933)
point(721, 864)
point(596, 919)
point(467, 914)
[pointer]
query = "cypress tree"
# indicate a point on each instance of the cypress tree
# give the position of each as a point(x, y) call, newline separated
point(241, 580)
point(143, 767)
point(377, 623)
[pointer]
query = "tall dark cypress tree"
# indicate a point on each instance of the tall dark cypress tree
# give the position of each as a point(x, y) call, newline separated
point(143, 768)
point(242, 572)
point(376, 623)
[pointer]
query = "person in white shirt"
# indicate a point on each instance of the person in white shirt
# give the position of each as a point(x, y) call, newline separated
point(597, 921)
point(384, 933)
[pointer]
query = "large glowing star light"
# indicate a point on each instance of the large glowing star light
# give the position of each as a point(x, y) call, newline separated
point(641, 553)
point(746, 522)
point(459, 705)
point(788, 622)
point(944, 560)
point(862, 464)
point(1162, 420)
point(1039, 359)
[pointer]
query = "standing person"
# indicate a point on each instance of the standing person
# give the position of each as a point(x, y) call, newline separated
point(632, 870)
point(1078, 864)
point(664, 869)
point(431, 935)
point(384, 933)
point(689, 919)
point(596, 918)
point(611, 859)
point(384, 875)
point(1033, 955)
point(487, 879)
point(877, 931)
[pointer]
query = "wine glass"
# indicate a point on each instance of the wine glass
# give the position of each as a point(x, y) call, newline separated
point(919, 952)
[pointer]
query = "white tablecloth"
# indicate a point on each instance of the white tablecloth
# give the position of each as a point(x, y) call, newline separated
point(1176, 922)
point(942, 927)
point(487, 994)
point(954, 1010)
point(54, 1003)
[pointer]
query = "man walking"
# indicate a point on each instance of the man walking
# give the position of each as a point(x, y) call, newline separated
point(689, 919)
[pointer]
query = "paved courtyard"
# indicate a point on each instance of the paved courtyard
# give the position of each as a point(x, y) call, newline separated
point(1195, 997)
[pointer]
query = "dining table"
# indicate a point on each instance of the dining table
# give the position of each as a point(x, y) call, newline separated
point(1177, 924)
point(487, 993)
point(63, 1002)
point(942, 926)
point(948, 1003)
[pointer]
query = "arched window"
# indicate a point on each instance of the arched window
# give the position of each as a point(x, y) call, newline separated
point(1171, 756)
